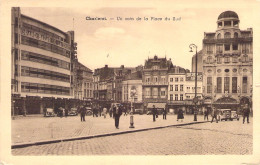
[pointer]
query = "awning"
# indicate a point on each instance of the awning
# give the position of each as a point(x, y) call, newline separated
point(157, 105)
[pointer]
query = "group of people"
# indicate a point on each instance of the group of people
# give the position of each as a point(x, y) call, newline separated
point(215, 113)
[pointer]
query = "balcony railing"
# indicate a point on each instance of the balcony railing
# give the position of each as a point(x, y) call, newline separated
point(227, 40)
point(155, 83)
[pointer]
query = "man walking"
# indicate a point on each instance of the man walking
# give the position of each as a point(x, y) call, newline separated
point(246, 112)
point(104, 112)
point(206, 113)
point(117, 113)
point(214, 114)
point(82, 113)
point(154, 112)
point(164, 114)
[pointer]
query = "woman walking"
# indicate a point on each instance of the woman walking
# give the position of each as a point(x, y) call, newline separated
point(180, 115)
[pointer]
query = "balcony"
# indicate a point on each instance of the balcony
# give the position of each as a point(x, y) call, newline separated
point(227, 40)
point(155, 83)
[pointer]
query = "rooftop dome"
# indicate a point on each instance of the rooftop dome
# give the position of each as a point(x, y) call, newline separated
point(228, 14)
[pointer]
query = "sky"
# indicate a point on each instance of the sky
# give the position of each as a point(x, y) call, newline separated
point(130, 43)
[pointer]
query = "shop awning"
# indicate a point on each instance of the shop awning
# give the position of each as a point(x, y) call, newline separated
point(157, 105)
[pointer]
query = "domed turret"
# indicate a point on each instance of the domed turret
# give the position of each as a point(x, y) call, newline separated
point(227, 20)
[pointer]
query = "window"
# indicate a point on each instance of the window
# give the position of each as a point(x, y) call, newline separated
point(176, 79)
point(226, 59)
point(16, 38)
point(181, 97)
point(219, 84)
point(244, 85)
point(171, 87)
point(188, 97)
point(171, 79)
point(227, 35)
point(155, 79)
point(219, 60)
point(219, 48)
point(234, 84)
point(209, 59)
point(209, 48)
point(234, 59)
point(176, 87)
point(235, 35)
point(176, 97)
point(245, 58)
point(188, 89)
point(235, 23)
point(181, 87)
point(245, 48)
point(218, 36)
point(227, 47)
point(235, 47)
point(209, 84)
point(181, 79)
point(226, 70)
point(226, 84)
point(220, 24)
point(171, 97)
point(162, 93)
point(155, 92)
point(227, 23)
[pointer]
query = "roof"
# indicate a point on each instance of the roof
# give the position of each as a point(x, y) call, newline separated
point(83, 67)
point(228, 14)
point(161, 62)
point(134, 76)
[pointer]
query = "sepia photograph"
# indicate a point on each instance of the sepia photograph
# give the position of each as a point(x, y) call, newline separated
point(125, 80)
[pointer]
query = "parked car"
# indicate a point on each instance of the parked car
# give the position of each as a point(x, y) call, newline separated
point(159, 112)
point(227, 114)
point(73, 112)
point(89, 111)
point(49, 112)
point(139, 111)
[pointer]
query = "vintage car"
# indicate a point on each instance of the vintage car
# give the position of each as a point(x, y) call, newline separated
point(73, 112)
point(88, 111)
point(49, 112)
point(227, 114)
point(139, 111)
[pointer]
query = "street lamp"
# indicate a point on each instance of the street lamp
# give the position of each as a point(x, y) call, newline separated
point(133, 93)
point(195, 99)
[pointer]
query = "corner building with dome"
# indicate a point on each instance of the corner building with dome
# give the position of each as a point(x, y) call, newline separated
point(227, 64)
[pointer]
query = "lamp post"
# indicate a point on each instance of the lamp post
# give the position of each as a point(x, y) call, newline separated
point(195, 99)
point(133, 93)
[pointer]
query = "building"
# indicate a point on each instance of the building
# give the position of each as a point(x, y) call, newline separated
point(176, 88)
point(199, 62)
point(41, 65)
point(155, 82)
point(83, 82)
point(132, 90)
point(107, 83)
point(189, 91)
point(228, 63)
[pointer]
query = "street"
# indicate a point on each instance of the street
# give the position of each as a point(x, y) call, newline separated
point(227, 137)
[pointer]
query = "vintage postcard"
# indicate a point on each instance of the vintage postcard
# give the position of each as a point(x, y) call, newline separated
point(130, 82)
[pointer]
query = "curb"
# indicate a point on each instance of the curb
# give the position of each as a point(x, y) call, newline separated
point(23, 145)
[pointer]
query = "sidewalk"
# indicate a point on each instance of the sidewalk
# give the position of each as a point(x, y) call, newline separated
point(39, 129)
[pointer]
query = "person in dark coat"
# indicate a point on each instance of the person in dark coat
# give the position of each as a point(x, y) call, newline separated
point(117, 111)
point(180, 115)
point(154, 112)
point(246, 112)
point(164, 113)
point(214, 114)
point(206, 113)
point(110, 111)
point(66, 112)
point(82, 113)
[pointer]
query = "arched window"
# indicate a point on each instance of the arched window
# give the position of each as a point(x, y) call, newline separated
point(227, 35)
point(235, 35)
point(218, 36)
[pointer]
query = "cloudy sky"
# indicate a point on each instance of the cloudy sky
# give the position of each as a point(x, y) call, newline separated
point(130, 43)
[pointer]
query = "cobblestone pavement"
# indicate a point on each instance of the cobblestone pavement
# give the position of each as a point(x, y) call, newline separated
point(229, 137)
point(33, 129)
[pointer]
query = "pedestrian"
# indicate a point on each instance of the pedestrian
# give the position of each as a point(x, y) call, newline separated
point(164, 113)
point(114, 110)
point(100, 111)
point(110, 112)
point(82, 113)
point(117, 111)
point(125, 111)
point(66, 112)
point(246, 112)
point(180, 115)
point(104, 112)
point(93, 111)
point(214, 114)
point(206, 113)
point(154, 112)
